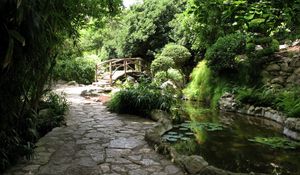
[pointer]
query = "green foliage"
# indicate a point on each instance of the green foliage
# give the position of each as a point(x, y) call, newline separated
point(287, 101)
point(140, 31)
point(204, 87)
point(161, 63)
point(276, 142)
point(80, 69)
point(178, 53)
point(269, 46)
point(32, 35)
point(221, 55)
point(140, 100)
point(259, 97)
point(217, 18)
point(186, 147)
point(171, 74)
point(54, 108)
point(199, 87)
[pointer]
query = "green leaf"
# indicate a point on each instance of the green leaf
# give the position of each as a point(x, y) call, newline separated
point(9, 53)
point(17, 36)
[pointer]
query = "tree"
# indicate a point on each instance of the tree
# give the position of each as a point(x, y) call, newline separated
point(217, 18)
point(32, 33)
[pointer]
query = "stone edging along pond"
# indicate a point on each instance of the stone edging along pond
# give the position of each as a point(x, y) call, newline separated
point(291, 126)
point(194, 164)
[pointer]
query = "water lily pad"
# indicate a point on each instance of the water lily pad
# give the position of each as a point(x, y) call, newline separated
point(185, 138)
point(176, 126)
point(189, 133)
point(172, 133)
point(185, 125)
point(183, 129)
point(172, 139)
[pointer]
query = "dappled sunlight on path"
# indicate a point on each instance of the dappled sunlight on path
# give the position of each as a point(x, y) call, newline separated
point(94, 142)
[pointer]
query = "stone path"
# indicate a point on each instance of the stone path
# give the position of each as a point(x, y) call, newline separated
point(96, 142)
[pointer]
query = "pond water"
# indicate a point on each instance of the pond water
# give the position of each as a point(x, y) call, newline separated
point(224, 140)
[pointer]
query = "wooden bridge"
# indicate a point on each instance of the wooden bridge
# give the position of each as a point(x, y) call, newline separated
point(107, 72)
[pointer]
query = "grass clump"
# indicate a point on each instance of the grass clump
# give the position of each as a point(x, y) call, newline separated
point(287, 101)
point(204, 87)
point(52, 113)
point(140, 100)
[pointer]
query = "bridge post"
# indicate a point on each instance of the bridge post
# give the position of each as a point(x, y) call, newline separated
point(125, 67)
point(110, 73)
point(96, 72)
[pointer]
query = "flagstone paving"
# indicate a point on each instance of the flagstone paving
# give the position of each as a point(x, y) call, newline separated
point(96, 142)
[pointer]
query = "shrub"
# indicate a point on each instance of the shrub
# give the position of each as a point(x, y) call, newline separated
point(199, 86)
point(269, 46)
point(51, 115)
point(259, 97)
point(160, 77)
point(161, 63)
point(178, 53)
point(287, 101)
point(140, 100)
point(79, 69)
point(204, 87)
point(171, 74)
point(220, 56)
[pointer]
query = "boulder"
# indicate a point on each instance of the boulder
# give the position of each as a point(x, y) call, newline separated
point(292, 134)
point(192, 164)
point(292, 124)
point(275, 116)
point(228, 103)
point(72, 83)
point(278, 80)
point(273, 67)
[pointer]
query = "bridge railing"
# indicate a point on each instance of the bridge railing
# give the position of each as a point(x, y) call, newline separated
point(113, 65)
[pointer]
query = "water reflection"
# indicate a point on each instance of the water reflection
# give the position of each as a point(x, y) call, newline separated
point(230, 147)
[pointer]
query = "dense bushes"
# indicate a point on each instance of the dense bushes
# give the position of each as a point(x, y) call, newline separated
point(287, 101)
point(221, 55)
point(81, 70)
point(171, 74)
point(139, 100)
point(51, 114)
point(178, 53)
point(15, 144)
point(161, 63)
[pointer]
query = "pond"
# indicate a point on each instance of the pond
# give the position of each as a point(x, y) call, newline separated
point(234, 142)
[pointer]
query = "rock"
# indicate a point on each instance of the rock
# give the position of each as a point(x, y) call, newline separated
point(258, 47)
point(168, 85)
point(259, 111)
point(227, 102)
point(251, 109)
point(273, 67)
point(275, 116)
point(192, 164)
point(292, 79)
point(292, 134)
point(277, 80)
point(292, 124)
point(157, 115)
point(297, 71)
point(44, 113)
point(125, 143)
point(72, 83)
